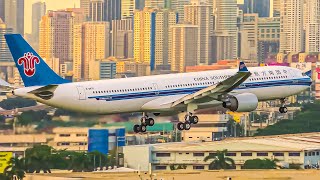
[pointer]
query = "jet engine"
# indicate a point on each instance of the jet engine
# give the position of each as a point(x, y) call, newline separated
point(244, 102)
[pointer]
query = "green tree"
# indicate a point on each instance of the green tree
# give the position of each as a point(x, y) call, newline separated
point(220, 161)
point(38, 158)
point(259, 164)
point(29, 117)
point(16, 168)
point(12, 103)
point(80, 162)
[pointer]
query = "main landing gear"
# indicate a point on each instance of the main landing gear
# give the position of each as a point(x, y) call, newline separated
point(145, 121)
point(188, 120)
point(283, 108)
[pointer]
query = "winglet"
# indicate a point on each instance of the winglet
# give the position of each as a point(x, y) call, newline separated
point(243, 67)
point(308, 73)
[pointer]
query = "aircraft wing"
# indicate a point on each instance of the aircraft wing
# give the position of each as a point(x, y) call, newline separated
point(213, 92)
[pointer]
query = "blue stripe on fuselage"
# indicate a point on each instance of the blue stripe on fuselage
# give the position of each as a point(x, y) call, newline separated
point(180, 91)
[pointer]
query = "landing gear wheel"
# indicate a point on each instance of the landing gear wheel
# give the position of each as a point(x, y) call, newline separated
point(186, 126)
point(180, 126)
point(136, 128)
point(195, 119)
point(150, 122)
point(143, 128)
point(283, 109)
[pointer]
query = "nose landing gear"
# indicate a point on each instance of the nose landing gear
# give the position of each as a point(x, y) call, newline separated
point(283, 108)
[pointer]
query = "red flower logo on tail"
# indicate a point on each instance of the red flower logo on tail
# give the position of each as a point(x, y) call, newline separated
point(29, 62)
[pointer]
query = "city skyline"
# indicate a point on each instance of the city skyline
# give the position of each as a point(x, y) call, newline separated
point(51, 5)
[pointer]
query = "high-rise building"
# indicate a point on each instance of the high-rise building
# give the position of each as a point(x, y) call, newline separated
point(155, 3)
point(268, 37)
point(90, 42)
point(201, 15)
point(84, 4)
point(262, 7)
point(225, 12)
point(312, 25)
point(102, 69)
point(276, 8)
point(112, 10)
point(2, 10)
point(291, 23)
point(5, 55)
point(178, 5)
point(122, 38)
point(151, 26)
point(184, 40)
point(55, 36)
point(222, 43)
point(250, 27)
point(14, 15)
point(163, 44)
point(96, 10)
point(127, 8)
point(140, 4)
point(38, 10)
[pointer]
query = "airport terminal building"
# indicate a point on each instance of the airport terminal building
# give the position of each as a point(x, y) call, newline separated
point(302, 149)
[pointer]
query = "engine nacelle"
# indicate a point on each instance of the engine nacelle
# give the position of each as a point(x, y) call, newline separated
point(244, 102)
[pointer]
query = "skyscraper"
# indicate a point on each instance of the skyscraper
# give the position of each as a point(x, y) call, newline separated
point(184, 40)
point(122, 38)
point(91, 42)
point(269, 37)
point(291, 23)
point(225, 12)
point(127, 8)
point(14, 15)
point(55, 35)
point(38, 10)
point(250, 26)
point(262, 7)
point(151, 26)
point(96, 10)
point(84, 4)
point(276, 8)
point(155, 3)
point(112, 10)
point(223, 45)
point(312, 25)
point(139, 4)
point(178, 5)
point(165, 19)
point(5, 55)
point(201, 15)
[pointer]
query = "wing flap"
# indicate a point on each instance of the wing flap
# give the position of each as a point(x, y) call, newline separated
point(212, 92)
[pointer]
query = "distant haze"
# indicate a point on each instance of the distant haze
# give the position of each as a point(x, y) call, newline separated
point(51, 5)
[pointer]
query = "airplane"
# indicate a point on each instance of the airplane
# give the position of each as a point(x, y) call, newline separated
point(236, 90)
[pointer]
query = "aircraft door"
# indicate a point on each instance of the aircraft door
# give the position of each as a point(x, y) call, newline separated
point(81, 93)
point(155, 88)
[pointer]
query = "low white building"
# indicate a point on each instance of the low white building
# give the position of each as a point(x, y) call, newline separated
point(292, 149)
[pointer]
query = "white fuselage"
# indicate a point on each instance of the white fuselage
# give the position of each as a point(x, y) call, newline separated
point(152, 93)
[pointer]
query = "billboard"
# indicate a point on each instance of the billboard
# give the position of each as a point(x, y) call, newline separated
point(98, 140)
point(4, 159)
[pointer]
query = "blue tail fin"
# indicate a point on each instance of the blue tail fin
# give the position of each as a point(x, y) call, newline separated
point(32, 68)
point(242, 67)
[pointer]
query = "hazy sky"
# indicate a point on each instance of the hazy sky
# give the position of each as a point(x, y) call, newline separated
point(51, 5)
